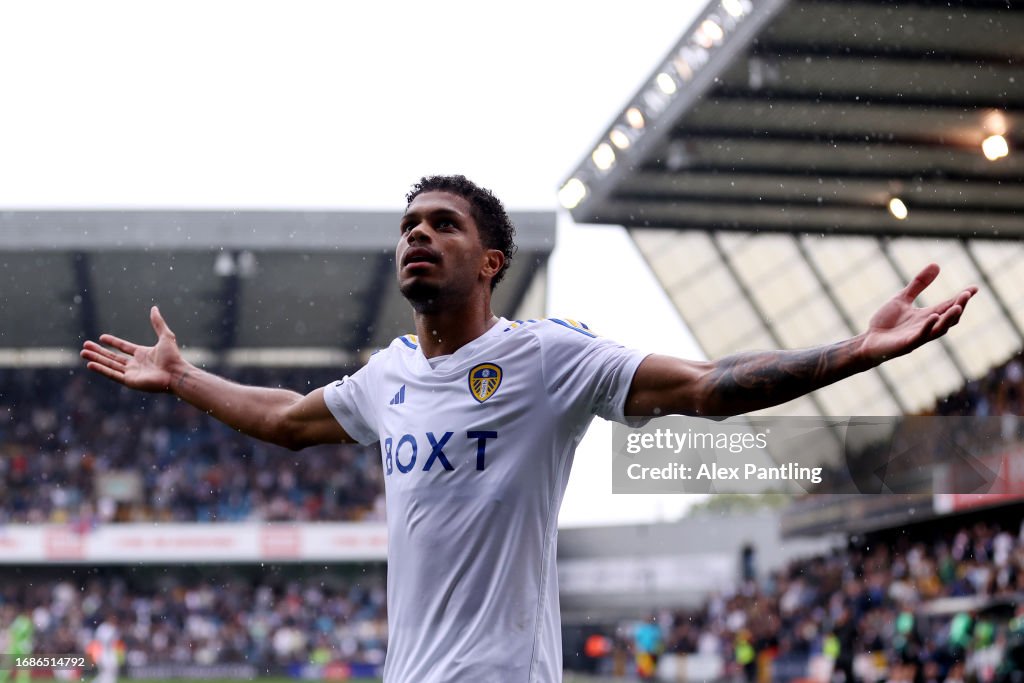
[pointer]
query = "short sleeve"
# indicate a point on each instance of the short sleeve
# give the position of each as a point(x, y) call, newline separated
point(585, 371)
point(350, 401)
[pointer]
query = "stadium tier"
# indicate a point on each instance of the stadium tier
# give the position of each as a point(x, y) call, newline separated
point(940, 598)
point(72, 456)
point(178, 622)
point(944, 599)
point(80, 452)
point(935, 603)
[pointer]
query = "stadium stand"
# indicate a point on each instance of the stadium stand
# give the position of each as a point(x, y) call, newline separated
point(270, 620)
point(999, 392)
point(933, 602)
point(83, 452)
point(933, 605)
point(937, 600)
point(993, 403)
point(192, 469)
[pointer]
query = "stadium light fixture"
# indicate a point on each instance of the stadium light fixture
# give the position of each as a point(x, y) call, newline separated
point(736, 8)
point(702, 39)
point(572, 193)
point(247, 264)
point(995, 147)
point(710, 28)
point(679, 80)
point(603, 156)
point(666, 83)
point(635, 118)
point(897, 208)
point(224, 266)
point(619, 137)
point(995, 122)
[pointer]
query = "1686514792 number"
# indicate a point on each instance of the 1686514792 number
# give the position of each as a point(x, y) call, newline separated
point(48, 661)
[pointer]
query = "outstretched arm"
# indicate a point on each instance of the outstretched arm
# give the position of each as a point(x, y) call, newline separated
point(745, 382)
point(278, 416)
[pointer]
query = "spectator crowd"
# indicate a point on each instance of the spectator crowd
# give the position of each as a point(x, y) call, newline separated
point(968, 429)
point(212, 617)
point(875, 610)
point(936, 606)
point(81, 451)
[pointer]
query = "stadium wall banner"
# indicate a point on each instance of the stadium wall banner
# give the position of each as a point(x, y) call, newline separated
point(1005, 470)
point(339, 671)
point(195, 672)
point(695, 572)
point(704, 666)
point(161, 543)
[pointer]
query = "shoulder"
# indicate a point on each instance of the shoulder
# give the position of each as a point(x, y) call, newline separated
point(382, 358)
point(399, 346)
point(561, 339)
point(407, 343)
point(555, 325)
point(559, 324)
point(555, 330)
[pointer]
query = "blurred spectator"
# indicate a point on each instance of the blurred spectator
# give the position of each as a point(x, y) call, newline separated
point(647, 646)
point(999, 392)
point(216, 617)
point(866, 600)
point(68, 445)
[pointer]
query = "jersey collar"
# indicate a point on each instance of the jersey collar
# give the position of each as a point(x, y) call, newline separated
point(454, 362)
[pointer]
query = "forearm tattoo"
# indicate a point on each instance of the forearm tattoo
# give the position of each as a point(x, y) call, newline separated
point(748, 381)
point(181, 380)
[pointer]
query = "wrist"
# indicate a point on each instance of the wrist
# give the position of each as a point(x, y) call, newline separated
point(864, 357)
point(180, 372)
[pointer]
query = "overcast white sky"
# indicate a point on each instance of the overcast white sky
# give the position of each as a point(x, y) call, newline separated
point(343, 105)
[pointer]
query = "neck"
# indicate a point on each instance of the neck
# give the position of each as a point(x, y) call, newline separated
point(443, 332)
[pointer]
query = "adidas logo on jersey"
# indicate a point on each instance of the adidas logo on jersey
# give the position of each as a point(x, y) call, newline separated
point(399, 398)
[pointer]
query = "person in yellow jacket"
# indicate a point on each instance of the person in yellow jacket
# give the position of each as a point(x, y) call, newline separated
point(746, 655)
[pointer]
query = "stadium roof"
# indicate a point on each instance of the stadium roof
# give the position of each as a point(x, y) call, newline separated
point(758, 165)
point(240, 287)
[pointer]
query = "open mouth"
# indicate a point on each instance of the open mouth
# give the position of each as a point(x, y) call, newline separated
point(419, 256)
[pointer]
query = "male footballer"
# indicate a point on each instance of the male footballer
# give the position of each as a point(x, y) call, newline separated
point(478, 418)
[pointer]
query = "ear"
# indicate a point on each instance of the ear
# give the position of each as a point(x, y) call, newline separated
point(494, 259)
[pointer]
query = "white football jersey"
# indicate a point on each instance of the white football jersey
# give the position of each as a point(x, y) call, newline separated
point(476, 454)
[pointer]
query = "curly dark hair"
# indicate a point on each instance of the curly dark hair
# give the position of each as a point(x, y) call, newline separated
point(496, 229)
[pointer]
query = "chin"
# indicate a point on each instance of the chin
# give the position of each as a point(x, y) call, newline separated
point(422, 296)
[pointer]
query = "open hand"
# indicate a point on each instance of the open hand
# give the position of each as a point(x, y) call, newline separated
point(898, 327)
point(145, 368)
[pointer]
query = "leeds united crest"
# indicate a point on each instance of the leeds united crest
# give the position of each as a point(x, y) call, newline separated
point(484, 380)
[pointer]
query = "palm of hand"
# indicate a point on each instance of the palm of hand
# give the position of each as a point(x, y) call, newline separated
point(146, 369)
point(898, 327)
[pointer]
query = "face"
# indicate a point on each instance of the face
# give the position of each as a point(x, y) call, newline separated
point(440, 257)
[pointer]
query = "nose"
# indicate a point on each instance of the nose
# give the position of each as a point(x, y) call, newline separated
point(418, 233)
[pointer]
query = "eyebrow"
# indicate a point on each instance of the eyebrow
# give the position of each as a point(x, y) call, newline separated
point(434, 212)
